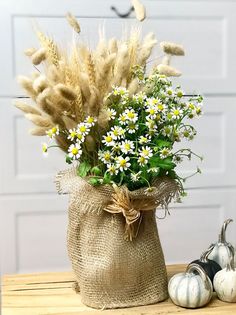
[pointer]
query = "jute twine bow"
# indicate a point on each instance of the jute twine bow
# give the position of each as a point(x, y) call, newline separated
point(131, 209)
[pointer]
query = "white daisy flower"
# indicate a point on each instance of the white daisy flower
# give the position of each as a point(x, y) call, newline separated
point(45, 149)
point(131, 115)
point(108, 140)
point(111, 168)
point(154, 170)
point(139, 97)
point(111, 113)
point(72, 134)
point(53, 132)
point(152, 111)
point(167, 130)
point(170, 92)
point(131, 128)
point(144, 139)
point(146, 152)
point(177, 159)
point(151, 124)
point(142, 161)
point(116, 148)
point(90, 121)
point(75, 151)
point(152, 101)
point(176, 113)
point(105, 156)
point(83, 128)
point(127, 146)
point(122, 119)
point(135, 176)
point(164, 153)
point(117, 132)
point(161, 107)
point(169, 116)
point(123, 163)
point(120, 91)
point(80, 137)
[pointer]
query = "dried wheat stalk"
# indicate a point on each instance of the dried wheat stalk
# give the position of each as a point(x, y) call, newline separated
point(75, 83)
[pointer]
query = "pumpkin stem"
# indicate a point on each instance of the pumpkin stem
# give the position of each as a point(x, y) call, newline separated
point(222, 236)
point(230, 264)
point(204, 256)
point(197, 268)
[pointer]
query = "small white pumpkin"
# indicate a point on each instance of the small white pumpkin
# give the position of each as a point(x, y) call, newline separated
point(190, 289)
point(221, 250)
point(225, 282)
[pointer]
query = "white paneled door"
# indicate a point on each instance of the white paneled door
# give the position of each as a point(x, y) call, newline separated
point(33, 218)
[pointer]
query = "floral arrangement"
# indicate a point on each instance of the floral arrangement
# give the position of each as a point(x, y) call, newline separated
point(116, 122)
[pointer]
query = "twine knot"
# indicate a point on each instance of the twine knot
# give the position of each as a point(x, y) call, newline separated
point(123, 202)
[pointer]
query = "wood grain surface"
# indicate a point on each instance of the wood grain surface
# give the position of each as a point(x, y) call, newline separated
point(52, 294)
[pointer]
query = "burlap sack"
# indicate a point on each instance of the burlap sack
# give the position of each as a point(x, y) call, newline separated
point(112, 271)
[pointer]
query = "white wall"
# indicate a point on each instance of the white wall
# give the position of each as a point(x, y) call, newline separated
point(33, 217)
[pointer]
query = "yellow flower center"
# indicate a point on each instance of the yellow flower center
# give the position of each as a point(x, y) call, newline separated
point(145, 152)
point(130, 115)
point(75, 151)
point(122, 118)
point(73, 134)
point(45, 148)
point(141, 159)
point(127, 146)
point(122, 162)
point(107, 156)
point(108, 139)
point(82, 128)
point(179, 93)
point(167, 130)
point(90, 120)
point(169, 115)
point(79, 136)
point(54, 130)
point(176, 112)
point(152, 111)
point(160, 107)
point(132, 127)
point(116, 132)
point(169, 92)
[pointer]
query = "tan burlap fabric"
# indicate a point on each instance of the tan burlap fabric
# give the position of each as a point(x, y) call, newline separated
point(112, 271)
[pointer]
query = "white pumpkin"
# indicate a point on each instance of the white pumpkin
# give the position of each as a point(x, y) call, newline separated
point(225, 282)
point(221, 250)
point(190, 289)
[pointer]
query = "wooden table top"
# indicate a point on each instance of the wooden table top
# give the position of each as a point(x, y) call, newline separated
point(52, 294)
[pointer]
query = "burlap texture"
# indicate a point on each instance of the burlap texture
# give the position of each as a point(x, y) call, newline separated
point(113, 272)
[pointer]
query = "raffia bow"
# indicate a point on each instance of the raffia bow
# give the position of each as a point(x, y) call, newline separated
point(131, 209)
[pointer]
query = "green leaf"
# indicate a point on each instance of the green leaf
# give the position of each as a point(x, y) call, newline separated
point(165, 164)
point(94, 181)
point(96, 171)
point(68, 159)
point(163, 143)
point(83, 169)
point(107, 179)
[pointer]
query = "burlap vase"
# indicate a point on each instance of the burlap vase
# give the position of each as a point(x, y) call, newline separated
point(111, 270)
